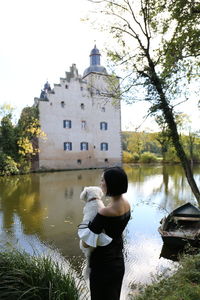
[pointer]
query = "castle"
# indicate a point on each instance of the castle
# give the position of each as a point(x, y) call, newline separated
point(81, 117)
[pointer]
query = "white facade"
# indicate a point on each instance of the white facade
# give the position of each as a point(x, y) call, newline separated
point(82, 122)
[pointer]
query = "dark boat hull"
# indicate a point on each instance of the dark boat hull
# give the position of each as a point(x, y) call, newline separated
point(177, 241)
point(181, 227)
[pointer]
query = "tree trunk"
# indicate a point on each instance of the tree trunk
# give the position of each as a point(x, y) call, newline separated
point(168, 114)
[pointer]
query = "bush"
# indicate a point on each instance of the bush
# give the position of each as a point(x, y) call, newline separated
point(23, 276)
point(7, 165)
point(24, 165)
point(148, 157)
point(135, 157)
point(127, 157)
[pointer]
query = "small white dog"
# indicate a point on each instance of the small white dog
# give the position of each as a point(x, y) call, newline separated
point(92, 195)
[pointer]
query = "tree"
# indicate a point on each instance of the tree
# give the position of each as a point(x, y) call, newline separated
point(8, 136)
point(158, 46)
point(163, 137)
point(28, 130)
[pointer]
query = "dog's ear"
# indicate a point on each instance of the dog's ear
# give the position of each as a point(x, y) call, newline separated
point(83, 195)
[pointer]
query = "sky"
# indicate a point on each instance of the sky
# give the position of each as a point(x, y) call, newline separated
point(40, 40)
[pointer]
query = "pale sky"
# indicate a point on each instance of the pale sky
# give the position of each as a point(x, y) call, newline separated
point(40, 40)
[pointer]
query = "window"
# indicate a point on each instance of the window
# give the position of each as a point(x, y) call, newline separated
point(104, 147)
point(81, 88)
point(82, 106)
point(62, 104)
point(66, 86)
point(83, 124)
point(84, 146)
point(67, 123)
point(79, 162)
point(103, 109)
point(103, 126)
point(68, 146)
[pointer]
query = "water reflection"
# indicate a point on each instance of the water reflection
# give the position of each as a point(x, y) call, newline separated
point(36, 209)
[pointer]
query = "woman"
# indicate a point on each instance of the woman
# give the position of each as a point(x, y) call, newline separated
point(107, 262)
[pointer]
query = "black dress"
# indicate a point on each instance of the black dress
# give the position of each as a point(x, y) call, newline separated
point(107, 262)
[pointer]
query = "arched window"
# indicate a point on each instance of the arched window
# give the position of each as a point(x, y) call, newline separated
point(84, 146)
point(103, 125)
point(104, 146)
point(67, 146)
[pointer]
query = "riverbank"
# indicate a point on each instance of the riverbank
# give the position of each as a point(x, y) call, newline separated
point(23, 276)
point(184, 284)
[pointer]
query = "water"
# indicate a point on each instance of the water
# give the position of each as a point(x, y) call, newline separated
point(42, 210)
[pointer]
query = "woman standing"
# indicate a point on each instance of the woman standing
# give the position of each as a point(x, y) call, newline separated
point(107, 262)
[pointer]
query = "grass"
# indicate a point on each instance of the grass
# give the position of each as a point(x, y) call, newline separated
point(23, 276)
point(183, 285)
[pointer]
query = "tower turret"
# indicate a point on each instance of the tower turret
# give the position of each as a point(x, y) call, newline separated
point(95, 65)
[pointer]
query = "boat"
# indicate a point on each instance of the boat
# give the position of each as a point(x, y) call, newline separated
point(181, 227)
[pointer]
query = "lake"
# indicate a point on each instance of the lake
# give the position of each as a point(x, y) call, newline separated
point(41, 211)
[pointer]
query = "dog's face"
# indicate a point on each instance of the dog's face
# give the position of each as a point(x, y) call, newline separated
point(90, 192)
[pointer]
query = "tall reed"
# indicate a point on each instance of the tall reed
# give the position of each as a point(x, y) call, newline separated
point(23, 276)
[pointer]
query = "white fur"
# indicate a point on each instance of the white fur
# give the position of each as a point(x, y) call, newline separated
point(89, 212)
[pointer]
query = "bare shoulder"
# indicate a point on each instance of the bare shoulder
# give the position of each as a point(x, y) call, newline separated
point(127, 205)
point(106, 211)
point(116, 209)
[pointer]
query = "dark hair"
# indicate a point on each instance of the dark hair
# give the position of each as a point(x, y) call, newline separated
point(116, 181)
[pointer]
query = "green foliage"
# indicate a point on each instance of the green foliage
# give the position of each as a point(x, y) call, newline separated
point(28, 277)
point(148, 157)
point(19, 143)
point(8, 136)
point(135, 157)
point(184, 284)
point(6, 109)
point(127, 157)
point(159, 144)
point(28, 129)
point(7, 165)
